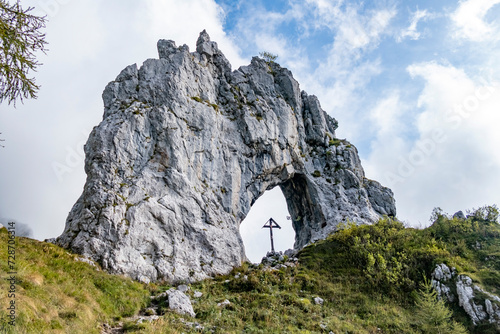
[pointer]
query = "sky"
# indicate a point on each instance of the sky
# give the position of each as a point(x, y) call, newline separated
point(414, 85)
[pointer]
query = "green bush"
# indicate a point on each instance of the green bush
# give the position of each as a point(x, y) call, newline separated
point(390, 257)
point(268, 56)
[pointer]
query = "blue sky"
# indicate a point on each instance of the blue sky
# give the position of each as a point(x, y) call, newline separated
point(415, 85)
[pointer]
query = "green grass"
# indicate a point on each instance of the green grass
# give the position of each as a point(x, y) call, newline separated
point(371, 278)
point(335, 142)
point(56, 294)
point(282, 301)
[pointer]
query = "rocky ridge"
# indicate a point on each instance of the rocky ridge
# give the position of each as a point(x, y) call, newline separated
point(480, 306)
point(187, 145)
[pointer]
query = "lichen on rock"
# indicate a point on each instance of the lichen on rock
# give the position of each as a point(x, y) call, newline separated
point(187, 145)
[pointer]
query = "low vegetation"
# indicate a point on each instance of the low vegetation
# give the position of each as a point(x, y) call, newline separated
point(371, 279)
point(268, 56)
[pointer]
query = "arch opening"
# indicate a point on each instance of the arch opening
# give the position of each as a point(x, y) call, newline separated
point(272, 204)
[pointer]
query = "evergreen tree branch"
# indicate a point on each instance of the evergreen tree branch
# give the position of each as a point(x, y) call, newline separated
point(20, 39)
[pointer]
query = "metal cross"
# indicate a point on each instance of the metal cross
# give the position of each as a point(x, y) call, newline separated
point(270, 224)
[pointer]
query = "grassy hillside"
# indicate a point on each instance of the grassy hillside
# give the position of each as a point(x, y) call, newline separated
point(371, 278)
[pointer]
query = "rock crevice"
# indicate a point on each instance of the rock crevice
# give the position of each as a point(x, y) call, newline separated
point(187, 145)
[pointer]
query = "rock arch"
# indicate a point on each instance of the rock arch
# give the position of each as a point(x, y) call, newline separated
point(185, 148)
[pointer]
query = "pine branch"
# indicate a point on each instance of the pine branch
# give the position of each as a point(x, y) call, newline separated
point(20, 39)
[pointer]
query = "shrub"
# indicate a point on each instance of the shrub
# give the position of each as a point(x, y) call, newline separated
point(488, 212)
point(268, 56)
point(433, 316)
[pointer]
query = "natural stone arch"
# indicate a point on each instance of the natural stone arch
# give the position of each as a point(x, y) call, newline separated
point(185, 148)
point(256, 239)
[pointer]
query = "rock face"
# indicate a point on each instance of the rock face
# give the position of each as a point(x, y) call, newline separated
point(479, 305)
point(179, 302)
point(186, 146)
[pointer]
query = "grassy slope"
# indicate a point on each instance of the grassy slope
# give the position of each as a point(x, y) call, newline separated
point(368, 277)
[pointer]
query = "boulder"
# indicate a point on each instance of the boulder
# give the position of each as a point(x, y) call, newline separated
point(480, 305)
point(318, 301)
point(179, 302)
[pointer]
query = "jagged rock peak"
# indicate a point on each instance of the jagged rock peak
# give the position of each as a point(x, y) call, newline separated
point(187, 145)
point(203, 38)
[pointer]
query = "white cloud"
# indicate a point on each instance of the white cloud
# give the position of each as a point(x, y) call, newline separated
point(353, 30)
point(469, 21)
point(356, 34)
point(388, 129)
point(387, 115)
point(271, 43)
point(341, 94)
point(346, 67)
point(411, 32)
point(257, 29)
point(454, 161)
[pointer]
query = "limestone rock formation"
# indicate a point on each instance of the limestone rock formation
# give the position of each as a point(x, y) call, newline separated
point(480, 305)
point(187, 145)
